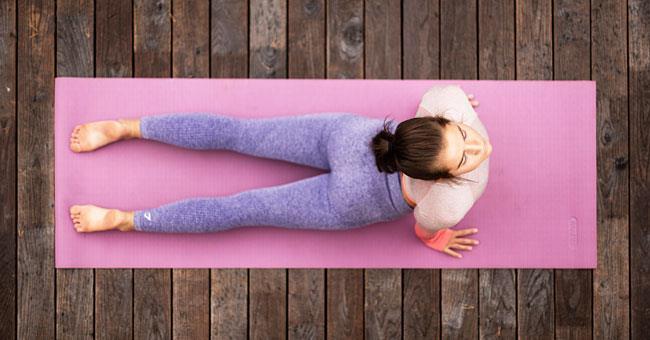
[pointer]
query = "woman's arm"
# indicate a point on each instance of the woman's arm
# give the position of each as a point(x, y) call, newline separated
point(440, 209)
point(449, 101)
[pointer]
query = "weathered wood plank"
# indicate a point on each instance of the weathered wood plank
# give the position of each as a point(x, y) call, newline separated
point(571, 46)
point(229, 38)
point(611, 296)
point(421, 36)
point(152, 38)
point(383, 39)
point(229, 304)
point(421, 303)
point(496, 60)
point(344, 59)
point(345, 36)
point(35, 267)
point(458, 60)
point(113, 49)
point(534, 61)
point(383, 303)
point(191, 39)
point(421, 60)
point(306, 38)
point(306, 55)
point(383, 287)
point(8, 168)
point(306, 304)
point(229, 58)
point(268, 45)
point(190, 59)
point(75, 58)
point(639, 101)
point(267, 314)
point(152, 288)
point(344, 303)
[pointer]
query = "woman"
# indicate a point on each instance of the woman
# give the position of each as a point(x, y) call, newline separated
point(376, 172)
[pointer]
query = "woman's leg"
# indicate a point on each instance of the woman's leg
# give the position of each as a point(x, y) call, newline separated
point(299, 139)
point(302, 204)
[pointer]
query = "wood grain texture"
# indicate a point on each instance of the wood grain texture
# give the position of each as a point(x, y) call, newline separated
point(383, 41)
point(229, 38)
point(75, 58)
point(306, 304)
point(267, 315)
point(496, 60)
point(306, 58)
point(458, 60)
point(421, 60)
point(113, 58)
point(190, 59)
point(421, 39)
point(383, 303)
point(152, 38)
point(229, 58)
point(611, 296)
point(639, 101)
point(306, 38)
point(8, 189)
point(35, 260)
point(345, 36)
point(191, 39)
point(268, 43)
point(573, 291)
point(534, 51)
point(152, 288)
point(345, 303)
point(229, 304)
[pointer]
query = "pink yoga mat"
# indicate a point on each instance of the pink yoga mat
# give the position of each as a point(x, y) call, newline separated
point(538, 209)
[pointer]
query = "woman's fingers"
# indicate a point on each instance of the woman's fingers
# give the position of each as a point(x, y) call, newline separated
point(464, 232)
point(472, 101)
point(460, 246)
point(453, 253)
point(466, 241)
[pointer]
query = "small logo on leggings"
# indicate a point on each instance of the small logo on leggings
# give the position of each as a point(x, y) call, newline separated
point(147, 215)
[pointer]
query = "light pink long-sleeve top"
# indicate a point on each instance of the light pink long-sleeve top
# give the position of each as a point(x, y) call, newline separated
point(442, 204)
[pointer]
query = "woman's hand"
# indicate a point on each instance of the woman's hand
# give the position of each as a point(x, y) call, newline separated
point(460, 243)
point(472, 101)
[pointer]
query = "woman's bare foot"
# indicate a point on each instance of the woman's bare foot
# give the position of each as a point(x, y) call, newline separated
point(93, 135)
point(88, 218)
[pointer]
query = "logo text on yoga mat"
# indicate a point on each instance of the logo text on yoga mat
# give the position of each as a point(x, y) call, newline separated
point(573, 233)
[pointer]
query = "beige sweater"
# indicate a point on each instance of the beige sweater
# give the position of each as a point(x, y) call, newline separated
point(443, 204)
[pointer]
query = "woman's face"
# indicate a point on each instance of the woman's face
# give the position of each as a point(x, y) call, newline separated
point(466, 149)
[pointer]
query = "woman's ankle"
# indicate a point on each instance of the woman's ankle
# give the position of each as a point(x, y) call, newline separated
point(132, 127)
point(126, 221)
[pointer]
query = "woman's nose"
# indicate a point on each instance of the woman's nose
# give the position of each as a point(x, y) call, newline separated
point(476, 145)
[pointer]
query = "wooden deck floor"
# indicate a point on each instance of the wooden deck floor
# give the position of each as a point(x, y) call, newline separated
point(603, 40)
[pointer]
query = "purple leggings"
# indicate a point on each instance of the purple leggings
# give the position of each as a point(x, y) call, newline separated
point(352, 194)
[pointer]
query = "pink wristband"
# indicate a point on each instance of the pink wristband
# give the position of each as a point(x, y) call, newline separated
point(438, 240)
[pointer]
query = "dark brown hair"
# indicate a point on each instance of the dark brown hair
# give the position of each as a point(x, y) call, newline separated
point(416, 146)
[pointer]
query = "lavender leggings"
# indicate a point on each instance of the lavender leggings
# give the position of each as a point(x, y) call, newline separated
point(353, 193)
